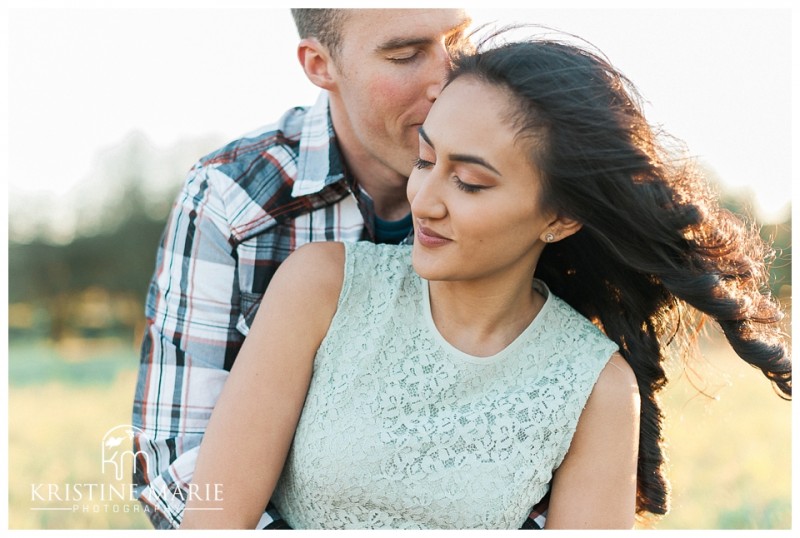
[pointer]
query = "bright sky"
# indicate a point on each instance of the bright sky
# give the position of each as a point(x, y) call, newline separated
point(81, 79)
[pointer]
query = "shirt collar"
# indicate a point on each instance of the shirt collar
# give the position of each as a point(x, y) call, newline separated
point(319, 161)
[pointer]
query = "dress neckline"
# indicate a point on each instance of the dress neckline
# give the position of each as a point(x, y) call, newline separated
point(522, 338)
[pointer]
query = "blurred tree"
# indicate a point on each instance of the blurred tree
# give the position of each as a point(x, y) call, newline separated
point(778, 235)
point(119, 216)
point(119, 260)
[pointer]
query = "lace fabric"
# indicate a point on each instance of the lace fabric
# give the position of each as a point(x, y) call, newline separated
point(401, 430)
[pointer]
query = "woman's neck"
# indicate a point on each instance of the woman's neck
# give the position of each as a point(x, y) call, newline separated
point(482, 318)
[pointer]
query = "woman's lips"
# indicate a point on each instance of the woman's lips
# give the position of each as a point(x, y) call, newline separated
point(429, 238)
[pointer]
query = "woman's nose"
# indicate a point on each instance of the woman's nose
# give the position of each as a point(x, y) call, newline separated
point(425, 195)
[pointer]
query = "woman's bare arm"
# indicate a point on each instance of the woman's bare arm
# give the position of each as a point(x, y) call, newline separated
point(252, 426)
point(595, 486)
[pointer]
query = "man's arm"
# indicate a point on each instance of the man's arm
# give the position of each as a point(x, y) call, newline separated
point(189, 345)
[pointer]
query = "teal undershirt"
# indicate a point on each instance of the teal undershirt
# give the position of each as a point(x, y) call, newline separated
point(392, 231)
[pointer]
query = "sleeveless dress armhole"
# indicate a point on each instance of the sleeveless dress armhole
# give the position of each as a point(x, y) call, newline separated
point(595, 367)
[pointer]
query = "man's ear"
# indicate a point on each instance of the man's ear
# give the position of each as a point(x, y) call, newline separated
point(560, 228)
point(316, 62)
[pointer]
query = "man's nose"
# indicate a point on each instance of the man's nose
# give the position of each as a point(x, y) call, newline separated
point(440, 66)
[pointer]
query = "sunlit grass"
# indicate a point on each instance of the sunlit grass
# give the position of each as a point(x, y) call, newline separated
point(55, 431)
point(730, 458)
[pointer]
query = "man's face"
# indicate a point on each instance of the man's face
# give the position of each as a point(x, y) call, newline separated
point(390, 68)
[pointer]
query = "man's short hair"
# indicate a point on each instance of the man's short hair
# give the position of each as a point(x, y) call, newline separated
point(323, 24)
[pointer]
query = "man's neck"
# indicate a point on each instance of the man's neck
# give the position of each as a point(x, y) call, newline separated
point(389, 204)
point(385, 186)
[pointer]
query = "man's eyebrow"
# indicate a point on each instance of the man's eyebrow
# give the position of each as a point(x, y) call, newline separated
point(402, 42)
point(461, 157)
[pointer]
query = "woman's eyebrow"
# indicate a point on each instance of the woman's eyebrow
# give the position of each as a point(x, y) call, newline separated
point(461, 157)
point(424, 136)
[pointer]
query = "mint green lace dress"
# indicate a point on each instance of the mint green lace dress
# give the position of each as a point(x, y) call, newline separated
point(402, 430)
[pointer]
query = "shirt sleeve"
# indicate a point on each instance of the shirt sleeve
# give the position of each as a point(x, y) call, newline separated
point(190, 342)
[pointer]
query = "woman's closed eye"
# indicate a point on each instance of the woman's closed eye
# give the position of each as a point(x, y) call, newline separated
point(422, 164)
point(468, 187)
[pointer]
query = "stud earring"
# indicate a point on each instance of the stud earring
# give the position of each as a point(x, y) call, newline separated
point(549, 238)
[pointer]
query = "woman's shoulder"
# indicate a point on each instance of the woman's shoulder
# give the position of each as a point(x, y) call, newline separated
point(321, 252)
point(315, 270)
point(577, 343)
point(325, 268)
point(569, 319)
point(367, 249)
point(367, 261)
point(616, 387)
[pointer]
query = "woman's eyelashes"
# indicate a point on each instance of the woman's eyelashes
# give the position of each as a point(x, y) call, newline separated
point(467, 187)
point(422, 164)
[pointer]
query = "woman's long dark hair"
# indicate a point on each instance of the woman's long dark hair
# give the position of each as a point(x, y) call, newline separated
point(654, 238)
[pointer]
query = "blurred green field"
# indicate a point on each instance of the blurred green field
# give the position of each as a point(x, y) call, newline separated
point(55, 430)
point(730, 458)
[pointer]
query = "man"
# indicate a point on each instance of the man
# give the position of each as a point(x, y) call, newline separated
point(336, 171)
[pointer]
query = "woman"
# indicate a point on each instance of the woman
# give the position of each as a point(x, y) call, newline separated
point(452, 394)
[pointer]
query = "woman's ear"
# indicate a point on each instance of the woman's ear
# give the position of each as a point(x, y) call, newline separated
point(315, 60)
point(560, 228)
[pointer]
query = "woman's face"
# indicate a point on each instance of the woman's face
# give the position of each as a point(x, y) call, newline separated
point(474, 194)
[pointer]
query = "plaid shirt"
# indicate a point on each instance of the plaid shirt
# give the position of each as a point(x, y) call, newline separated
point(241, 212)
